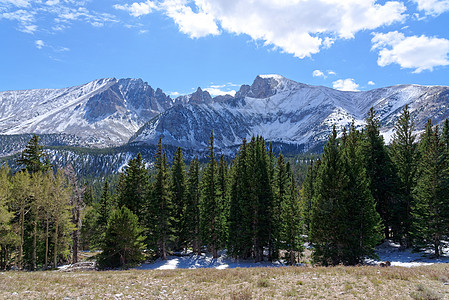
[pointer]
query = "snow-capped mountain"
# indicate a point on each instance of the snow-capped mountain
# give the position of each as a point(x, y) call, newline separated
point(101, 113)
point(111, 112)
point(288, 112)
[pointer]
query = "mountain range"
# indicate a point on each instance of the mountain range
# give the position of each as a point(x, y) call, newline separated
point(113, 112)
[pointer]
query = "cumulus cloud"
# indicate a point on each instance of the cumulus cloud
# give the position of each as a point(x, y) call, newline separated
point(301, 28)
point(39, 44)
point(137, 9)
point(318, 73)
point(433, 7)
point(413, 52)
point(330, 72)
point(371, 83)
point(345, 85)
point(195, 24)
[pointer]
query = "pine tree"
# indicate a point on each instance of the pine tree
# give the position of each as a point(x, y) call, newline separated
point(223, 198)
point(379, 170)
point(210, 209)
point(405, 158)
point(178, 191)
point(33, 158)
point(363, 229)
point(307, 195)
point(344, 223)
point(123, 241)
point(134, 186)
point(431, 209)
point(281, 189)
point(239, 223)
point(192, 213)
point(291, 228)
point(160, 218)
point(104, 211)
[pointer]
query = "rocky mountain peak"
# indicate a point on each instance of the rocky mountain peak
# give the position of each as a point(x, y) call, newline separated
point(200, 96)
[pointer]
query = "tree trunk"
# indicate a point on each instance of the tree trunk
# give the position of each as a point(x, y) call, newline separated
point(55, 254)
point(46, 244)
point(22, 232)
point(33, 263)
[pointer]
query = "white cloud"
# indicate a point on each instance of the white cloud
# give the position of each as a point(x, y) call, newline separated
point(18, 3)
point(195, 24)
point(413, 52)
point(50, 15)
point(318, 73)
point(218, 92)
point(330, 72)
point(371, 83)
point(298, 27)
point(137, 9)
point(433, 7)
point(345, 85)
point(39, 44)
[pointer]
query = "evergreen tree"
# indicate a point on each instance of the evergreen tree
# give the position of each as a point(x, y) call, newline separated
point(192, 213)
point(239, 223)
point(178, 191)
point(405, 158)
point(33, 158)
point(344, 223)
point(363, 229)
point(379, 170)
point(123, 241)
point(104, 211)
point(431, 209)
point(281, 189)
point(210, 209)
point(307, 194)
point(223, 198)
point(134, 186)
point(291, 226)
point(160, 218)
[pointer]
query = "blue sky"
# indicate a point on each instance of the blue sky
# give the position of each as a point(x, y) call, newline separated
point(178, 45)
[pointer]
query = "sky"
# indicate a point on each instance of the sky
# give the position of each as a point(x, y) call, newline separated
point(218, 45)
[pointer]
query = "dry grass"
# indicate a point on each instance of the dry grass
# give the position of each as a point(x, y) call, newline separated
point(366, 282)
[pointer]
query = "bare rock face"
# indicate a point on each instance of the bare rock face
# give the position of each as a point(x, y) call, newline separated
point(289, 113)
point(101, 113)
point(200, 97)
point(263, 87)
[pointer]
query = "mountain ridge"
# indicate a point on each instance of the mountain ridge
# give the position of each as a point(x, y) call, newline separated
point(112, 112)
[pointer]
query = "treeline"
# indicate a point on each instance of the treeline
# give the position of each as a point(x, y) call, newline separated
point(38, 223)
point(246, 207)
point(361, 191)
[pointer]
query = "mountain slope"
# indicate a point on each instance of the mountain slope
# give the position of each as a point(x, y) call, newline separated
point(101, 113)
point(289, 112)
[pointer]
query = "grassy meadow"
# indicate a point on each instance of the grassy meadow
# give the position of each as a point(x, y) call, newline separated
point(364, 282)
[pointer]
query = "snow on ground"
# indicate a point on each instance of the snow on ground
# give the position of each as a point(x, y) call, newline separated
point(204, 261)
point(388, 251)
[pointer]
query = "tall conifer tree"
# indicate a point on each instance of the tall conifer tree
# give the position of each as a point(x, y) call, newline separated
point(192, 213)
point(405, 158)
point(379, 170)
point(431, 209)
point(161, 207)
point(178, 190)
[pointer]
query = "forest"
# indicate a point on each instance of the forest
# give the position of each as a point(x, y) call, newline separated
point(359, 192)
